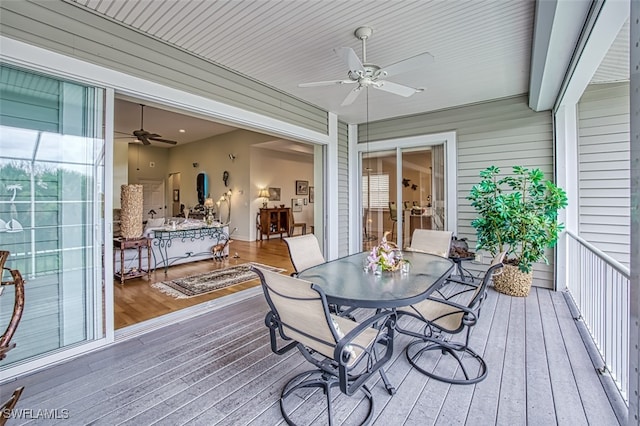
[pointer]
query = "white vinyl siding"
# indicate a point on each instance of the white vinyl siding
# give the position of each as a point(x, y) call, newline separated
point(503, 133)
point(343, 190)
point(604, 168)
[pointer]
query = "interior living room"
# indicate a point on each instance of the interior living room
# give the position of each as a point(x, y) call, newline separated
point(187, 153)
point(155, 157)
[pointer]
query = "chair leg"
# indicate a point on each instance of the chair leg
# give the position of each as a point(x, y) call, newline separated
point(467, 361)
point(317, 379)
point(387, 384)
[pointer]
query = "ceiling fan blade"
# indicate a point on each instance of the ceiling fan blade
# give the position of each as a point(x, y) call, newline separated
point(396, 89)
point(349, 57)
point(326, 83)
point(351, 96)
point(413, 63)
point(169, 141)
point(144, 140)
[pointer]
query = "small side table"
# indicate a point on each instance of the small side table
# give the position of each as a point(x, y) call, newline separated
point(137, 243)
point(462, 272)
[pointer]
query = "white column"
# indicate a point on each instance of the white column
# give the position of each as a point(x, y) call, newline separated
point(566, 139)
point(634, 329)
point(331, 197)
point(355, 189)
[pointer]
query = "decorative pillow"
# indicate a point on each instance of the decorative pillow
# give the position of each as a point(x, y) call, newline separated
point(155, 223)
point(152, 224)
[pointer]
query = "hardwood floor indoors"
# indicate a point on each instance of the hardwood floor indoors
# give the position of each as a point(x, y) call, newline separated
point(136, 301)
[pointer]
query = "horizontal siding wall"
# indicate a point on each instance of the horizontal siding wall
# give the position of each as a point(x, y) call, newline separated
point(503, 133)
point(604, 169)
point(70, 30)
point(343, 189)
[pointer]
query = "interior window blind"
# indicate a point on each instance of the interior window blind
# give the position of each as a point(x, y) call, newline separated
point(375, 191)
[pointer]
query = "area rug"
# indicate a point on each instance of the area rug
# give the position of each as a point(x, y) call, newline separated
point(196, 285)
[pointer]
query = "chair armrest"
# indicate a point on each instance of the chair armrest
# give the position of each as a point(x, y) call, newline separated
point(386, 319)
point(469, 315)
point(274, 325)
point(350, 382)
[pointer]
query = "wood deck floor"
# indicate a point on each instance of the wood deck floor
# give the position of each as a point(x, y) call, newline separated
point(218, 368)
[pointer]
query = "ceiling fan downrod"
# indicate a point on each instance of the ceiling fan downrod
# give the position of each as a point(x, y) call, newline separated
point(363, 33)
point(141, 116)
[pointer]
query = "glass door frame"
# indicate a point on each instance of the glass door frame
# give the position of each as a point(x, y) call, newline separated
point(448, 139)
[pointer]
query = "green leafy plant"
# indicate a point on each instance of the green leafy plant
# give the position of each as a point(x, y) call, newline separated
point(517, 214)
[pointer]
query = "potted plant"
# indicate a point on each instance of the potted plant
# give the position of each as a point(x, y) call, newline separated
point(517, 214)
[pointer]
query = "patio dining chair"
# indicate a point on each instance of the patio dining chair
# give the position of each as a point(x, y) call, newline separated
point(430, 241)
point(304, 251)
point(453, 310)
point(345, 353)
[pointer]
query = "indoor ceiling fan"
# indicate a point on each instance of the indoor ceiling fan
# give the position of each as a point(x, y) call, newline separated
point(369, 75)
point(147, 137)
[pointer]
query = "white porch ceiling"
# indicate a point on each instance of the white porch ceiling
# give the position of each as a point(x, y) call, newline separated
point(482, 51)
point(481, 48)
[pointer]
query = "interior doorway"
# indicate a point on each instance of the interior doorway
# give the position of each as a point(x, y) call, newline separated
point(174, 184)
point(153, 198)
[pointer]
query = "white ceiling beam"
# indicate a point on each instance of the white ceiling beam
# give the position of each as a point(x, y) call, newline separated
point(557, 29)
point(611, 17)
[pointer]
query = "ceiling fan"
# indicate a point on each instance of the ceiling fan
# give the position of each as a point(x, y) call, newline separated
point(147, 137)
point(370, 75)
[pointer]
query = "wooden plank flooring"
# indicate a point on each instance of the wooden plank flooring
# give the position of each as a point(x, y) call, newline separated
point(135, 301)
point(218, 369)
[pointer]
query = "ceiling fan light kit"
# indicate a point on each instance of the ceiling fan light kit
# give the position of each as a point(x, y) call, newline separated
point(371, 75)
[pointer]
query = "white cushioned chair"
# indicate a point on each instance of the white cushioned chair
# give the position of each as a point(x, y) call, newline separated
point(345, 353)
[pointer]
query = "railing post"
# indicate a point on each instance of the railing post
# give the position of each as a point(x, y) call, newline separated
point(634, 110)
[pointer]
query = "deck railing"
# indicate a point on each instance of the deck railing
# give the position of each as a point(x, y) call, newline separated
point(599, 286)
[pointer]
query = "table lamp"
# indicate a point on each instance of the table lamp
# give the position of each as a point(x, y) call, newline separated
point(264, 194)
point(208, 206)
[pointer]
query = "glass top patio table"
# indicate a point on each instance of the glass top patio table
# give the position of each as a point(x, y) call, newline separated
point(345, 282)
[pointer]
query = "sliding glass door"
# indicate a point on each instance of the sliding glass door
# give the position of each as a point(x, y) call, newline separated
point(402, 190)
point(379, 212)
point(51, 209)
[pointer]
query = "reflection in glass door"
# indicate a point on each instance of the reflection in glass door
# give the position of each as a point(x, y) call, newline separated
point(379, 209)
point(51, 209)
point(401, 200)
point(421, 189)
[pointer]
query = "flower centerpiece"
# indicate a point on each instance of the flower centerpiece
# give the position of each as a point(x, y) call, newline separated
point(385, 256)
